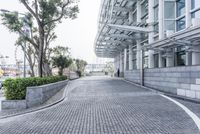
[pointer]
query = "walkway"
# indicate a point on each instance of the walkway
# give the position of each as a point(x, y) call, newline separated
point(100, 105)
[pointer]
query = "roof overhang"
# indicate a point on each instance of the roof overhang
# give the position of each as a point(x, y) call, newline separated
point(115, 31)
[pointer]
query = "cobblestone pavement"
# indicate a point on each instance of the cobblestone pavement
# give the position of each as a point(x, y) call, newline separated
point(99, 105)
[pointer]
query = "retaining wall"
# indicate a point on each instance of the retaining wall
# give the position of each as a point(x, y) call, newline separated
point(35, 96)
point(39, 94)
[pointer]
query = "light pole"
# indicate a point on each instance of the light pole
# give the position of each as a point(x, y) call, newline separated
point(26, 31)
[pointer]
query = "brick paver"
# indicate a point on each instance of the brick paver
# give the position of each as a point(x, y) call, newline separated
point(98, 105)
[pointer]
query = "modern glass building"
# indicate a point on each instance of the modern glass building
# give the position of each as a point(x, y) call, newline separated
point(154, 35)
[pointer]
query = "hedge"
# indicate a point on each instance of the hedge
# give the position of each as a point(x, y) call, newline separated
point(15, 89)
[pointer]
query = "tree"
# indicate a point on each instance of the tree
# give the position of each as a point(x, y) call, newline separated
point(61, 58)
point(46, 14)
point(109, 68)
point(29, 54)
point(81, 64)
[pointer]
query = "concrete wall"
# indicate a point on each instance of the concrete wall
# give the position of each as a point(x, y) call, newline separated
point(172, 78)
point(132, 75)
point(39, 94)
point(167, 79)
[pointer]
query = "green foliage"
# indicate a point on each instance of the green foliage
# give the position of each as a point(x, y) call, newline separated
point(61, 62)
point(61, 58)
point(81, 64)
point(15, 89)
point(109, 68)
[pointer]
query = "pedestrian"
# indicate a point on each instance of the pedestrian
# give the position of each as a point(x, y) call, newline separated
point(118, 72)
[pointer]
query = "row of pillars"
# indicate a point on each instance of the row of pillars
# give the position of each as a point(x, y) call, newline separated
point(192, 58)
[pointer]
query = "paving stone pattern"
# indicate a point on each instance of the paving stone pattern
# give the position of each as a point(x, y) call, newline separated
point(99, 105)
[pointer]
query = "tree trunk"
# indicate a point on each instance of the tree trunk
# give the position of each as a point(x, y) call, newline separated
point(60, 72)
point(41, 47)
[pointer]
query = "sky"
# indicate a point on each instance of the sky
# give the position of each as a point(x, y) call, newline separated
point(78, 34)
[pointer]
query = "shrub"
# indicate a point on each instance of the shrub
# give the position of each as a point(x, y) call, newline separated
point(15, 89)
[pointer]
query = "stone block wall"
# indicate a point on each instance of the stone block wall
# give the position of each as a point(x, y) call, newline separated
point(172, 78)
point(167, 79)
point(132, 75)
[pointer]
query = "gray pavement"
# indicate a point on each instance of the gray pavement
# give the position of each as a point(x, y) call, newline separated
point(100, 105)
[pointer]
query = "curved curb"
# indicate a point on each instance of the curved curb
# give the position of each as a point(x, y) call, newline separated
point(39, 108)
point(164, 93)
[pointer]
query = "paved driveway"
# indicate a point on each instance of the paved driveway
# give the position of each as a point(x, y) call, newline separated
point(100, 105)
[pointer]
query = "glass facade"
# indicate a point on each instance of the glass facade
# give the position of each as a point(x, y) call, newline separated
point(180, 24)
point(195, 4)
point(169, 15)
point(156, 23)
point(169, 10)
point(196, 14)
point(180, 7)
point(170, 25)
point(180, 15)
point(144, 7)
point(195, 8)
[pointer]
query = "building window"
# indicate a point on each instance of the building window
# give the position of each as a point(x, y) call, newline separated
point(144, 8)
point(169, 10)
point(156, 28)
point(170, 25)
point(196, 14)
point(156, 23)
point(195, 4)
point(180, 7)
point(180, 15)
point(156, 13)
point(169, 15)
point(155, 2)
point(181, 24)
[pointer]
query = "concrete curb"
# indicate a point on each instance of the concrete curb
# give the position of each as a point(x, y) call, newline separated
point(39, 108)
point(164, 93)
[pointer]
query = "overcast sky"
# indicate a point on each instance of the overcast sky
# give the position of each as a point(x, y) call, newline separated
point(78, 34)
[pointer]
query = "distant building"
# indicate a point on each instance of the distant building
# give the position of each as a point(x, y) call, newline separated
point(95, 68)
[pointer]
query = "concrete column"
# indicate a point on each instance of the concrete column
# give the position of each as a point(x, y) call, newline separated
point(130, 57)
point(151, 34)
point(196, 56)
point(120, 63)
point(151, 59)
point(161, 19)
point(139, 14)
point(160, 60)
point(117, 63)
point(138, 56)
point(125, 59)
point(188, 22)
point(169, 61)
point(188, 58)
point(169, 58)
